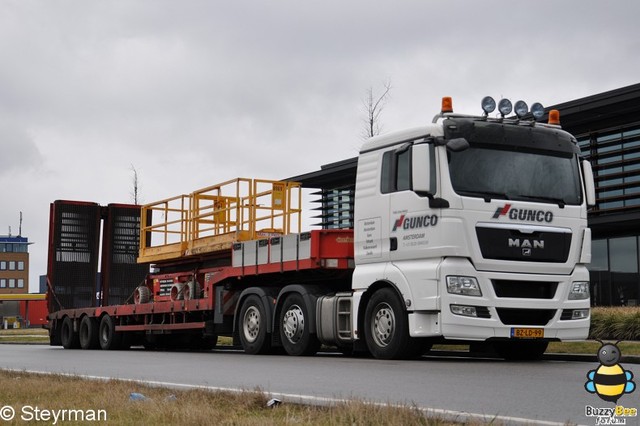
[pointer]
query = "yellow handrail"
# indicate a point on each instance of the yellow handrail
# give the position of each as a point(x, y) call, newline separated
point(213, 218)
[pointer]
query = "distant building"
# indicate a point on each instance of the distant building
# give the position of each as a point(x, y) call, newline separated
point(14, 264)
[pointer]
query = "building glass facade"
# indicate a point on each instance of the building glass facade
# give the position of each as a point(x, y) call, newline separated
point(614, 153)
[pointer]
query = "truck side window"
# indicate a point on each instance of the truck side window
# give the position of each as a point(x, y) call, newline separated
point(403, 180)
point(396, 172)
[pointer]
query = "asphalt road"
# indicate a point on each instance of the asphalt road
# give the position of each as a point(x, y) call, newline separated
point(538, 391)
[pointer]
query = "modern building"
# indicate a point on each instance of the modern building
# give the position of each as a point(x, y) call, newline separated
point(14, 264)
point(607, 127)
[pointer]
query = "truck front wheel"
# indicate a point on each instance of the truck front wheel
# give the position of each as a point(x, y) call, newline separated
point(107, 335)
point(294, 327)
point(386, 328)
point(253, 326)
point(68, 337)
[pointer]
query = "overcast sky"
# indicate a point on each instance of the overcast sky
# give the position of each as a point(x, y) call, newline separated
point(192, 93)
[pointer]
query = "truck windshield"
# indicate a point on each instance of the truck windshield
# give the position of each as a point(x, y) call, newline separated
point(515, 175)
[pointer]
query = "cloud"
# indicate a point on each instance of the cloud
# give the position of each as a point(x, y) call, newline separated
point(197, 92)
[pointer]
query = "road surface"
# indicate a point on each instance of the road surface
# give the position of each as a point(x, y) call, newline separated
point(550, 391)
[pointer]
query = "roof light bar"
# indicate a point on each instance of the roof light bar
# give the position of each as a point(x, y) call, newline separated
point(521, 108)
point(505, 107)
point(488, 105)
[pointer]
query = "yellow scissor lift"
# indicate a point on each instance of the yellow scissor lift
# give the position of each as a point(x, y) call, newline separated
point(212, 219)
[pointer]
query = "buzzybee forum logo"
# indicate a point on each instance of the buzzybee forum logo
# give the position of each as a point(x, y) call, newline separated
point(610, 381)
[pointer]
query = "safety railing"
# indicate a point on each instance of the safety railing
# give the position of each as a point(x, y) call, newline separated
point(211, 219)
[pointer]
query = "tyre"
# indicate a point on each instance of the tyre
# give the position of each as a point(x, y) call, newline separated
point(520, 350)
point(386, 328)
point(192, 290)
point(141, 295)
point(252, 326)
point(68, 337)
point(89, 333)
point(177, 291)
point(108, 337)
point(295, 335)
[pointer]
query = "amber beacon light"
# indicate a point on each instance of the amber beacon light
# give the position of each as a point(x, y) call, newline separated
point(447, 105)
point(554, 117)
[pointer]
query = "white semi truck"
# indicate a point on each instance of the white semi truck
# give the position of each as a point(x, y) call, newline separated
point(469, 229)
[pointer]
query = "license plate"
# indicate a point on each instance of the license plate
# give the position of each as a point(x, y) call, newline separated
point(527, 333)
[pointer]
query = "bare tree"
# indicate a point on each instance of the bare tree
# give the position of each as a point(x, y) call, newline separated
point(373, 106)
point(136, 185)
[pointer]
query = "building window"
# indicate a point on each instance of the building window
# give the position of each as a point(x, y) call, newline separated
point(12, 265)
point(20, 265)
point(599, 256)
point(3, 265)
point(20, 283)
point(623, 254)
point(12, 283)
point(3, 283)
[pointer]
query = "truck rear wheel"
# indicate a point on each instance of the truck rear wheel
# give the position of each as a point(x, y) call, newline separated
point(68, 337)
point(386, 328)
point(294, 327)
point(253, 326)
point(89, 333)
point(108, 337)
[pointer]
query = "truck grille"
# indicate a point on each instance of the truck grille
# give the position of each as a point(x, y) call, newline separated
point(511, 316)
point(525, 289)
point(505, 243)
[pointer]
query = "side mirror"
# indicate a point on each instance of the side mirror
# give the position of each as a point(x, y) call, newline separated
point(589, 183)
point(422, 170)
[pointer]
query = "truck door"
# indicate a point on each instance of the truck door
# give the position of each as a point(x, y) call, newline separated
point(411, 219)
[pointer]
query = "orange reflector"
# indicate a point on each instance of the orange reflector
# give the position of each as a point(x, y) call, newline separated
point(554, 117)
point(447, 104)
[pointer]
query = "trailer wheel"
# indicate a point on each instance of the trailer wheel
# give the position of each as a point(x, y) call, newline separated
point(520, 351)
point(294, 327)
point(252, 326)
point(386, 328)
point(108, 337)
point(89, 333)
point(68, 337)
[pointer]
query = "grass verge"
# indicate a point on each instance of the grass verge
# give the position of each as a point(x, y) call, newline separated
point(23, 391)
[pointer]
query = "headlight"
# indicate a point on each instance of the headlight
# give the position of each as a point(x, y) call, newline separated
point(579, 290)
point(467, 286)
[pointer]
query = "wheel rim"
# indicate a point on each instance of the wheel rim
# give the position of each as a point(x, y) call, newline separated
point(251, 324)
point(383, 325)
point(293, 324)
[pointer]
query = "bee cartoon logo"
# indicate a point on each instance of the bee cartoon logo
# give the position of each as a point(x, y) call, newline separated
point(609, 381)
